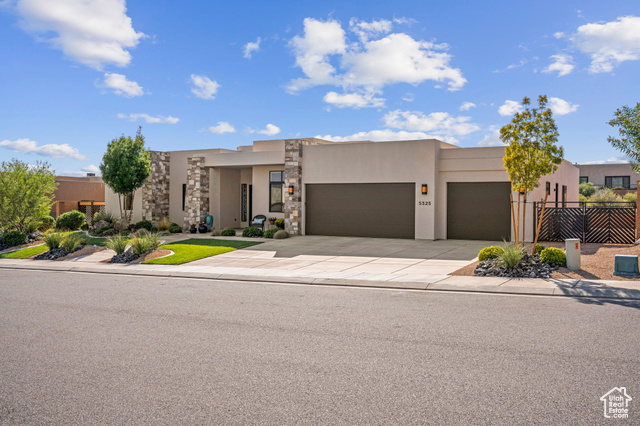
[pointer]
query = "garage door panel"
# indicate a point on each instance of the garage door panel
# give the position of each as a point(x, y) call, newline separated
point(361, 210)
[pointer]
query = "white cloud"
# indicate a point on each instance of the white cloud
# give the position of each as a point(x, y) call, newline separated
point(149, 119)
point(562, 64)
point(204, 87)
point(492, 138)
point(409, 97)
point(558, 35)
point(270, 130)
point(353, 100)
point(612, 160)
point(561, 107)
point(251, 47)
point(509, 108)
point(119, 84)
point(93, 33)
point(50, 150)
point(368, 64)
point(402, 20)
point(383, 135)
point(609, 43)
point(439, 123)
point(91, 168)
point(88, 169)
point(222, 127)
point(466, 106)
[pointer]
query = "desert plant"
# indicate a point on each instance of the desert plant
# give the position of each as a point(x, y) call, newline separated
point(54, 240)
point(538, 249)
point(554, 255)
point(175, 228)
point(46, 223)
point(144, 224)
point(252, 231)
point(605, 198)
point(269, 233)
point(630, 197)
point(280, 223)
point(117, 243)
point(70, 221)
point(164, 224)
point(229, 232)
point(491, 252)
point(14, 238)
point(145, 242)
point(73, 241)
point(587, 189)
point(104, 215)
point(110, 231)
point(510, 256)
point(281, 235)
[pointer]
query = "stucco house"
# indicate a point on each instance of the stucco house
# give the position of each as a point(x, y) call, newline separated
point(422, 189)
point(609, 175)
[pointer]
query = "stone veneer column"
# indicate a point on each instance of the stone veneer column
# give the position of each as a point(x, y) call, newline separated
point(197, 198)
point(293, 176)
point(155, 191)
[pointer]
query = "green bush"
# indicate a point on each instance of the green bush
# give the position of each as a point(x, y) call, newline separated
point(73, 241)
point(605, 198)
point(144, 224)
point(46, 223)
point(587, 189)
point(538, 249)
point(281, 235)
point(252, 231)
point(70, 221)
point(269, 233)
point(14, 238)
point(84, 226)
point(153, 229)
point(124, 233)
point(104, 215)
point(630, 197)
point(109, 231)
point(174, 228)
point(491, 252)
point(510, 256)
point(554, 255)
point(117, 243)
point(145, 242)
point(101, 231)
point(280, 223)
point(229, 232)
point(54, 240)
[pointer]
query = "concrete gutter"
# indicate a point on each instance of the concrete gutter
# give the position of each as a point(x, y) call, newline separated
point(528, 286)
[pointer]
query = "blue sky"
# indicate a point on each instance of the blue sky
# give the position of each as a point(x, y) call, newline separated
point(207, 74)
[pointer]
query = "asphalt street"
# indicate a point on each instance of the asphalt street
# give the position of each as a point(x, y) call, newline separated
point(80, 348)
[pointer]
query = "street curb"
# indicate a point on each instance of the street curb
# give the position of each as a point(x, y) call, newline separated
point(556, 288)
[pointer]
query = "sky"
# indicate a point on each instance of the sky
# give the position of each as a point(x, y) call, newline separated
point(208, 74)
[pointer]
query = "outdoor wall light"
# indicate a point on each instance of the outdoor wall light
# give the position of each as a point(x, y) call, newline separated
point(290, 189)
point(425, 189)
point(522, 190)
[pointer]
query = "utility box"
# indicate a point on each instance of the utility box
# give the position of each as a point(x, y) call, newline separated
point(625, 266)
point(572, 247)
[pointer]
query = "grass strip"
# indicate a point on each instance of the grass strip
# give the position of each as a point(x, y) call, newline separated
point(184, 253)
point(25, 253)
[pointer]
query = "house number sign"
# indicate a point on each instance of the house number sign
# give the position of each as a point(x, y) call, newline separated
point(424, 203)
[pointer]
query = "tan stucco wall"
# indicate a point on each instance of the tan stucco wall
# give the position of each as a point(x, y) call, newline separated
point(597, 172)
point(111, 204)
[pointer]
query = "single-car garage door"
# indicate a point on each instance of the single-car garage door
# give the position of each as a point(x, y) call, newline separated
point(479, 211)
point(382, 210)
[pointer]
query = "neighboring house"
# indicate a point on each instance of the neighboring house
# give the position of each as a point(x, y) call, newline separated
point(609, 175)
point(423, 189)
point(77, 193)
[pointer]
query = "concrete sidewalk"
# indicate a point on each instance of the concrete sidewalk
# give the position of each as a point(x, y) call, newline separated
point(440, 282)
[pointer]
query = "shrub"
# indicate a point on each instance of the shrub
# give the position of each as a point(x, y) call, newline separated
point(510, 256)
point(46, 223)
point(252, 231)
point(153, 229)
point(280, 223)
point(14, 238)
point(145, 242)
point(125, 233)
point(174, 228)
point(229, 232)
point(538, 249)
point(70, 221)
point(102, 230)
point(54, 240)
point(84, 227)
point(587, 189)
point(74, 241)
point(143, 224)
point(104, 215)
point(110, 231)
point(554, 255)
point(491, 252)
point(605, 196)
point(630, 197)
point(164, 224)
point(269, 233)
point(281, 235)
point(118, 243)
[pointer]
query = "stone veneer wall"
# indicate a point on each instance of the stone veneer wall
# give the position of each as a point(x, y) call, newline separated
point(293, 176)
point(155, 191)
point(197, 198)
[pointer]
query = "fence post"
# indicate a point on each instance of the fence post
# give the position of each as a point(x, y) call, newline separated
point(637, 212)
point(535, 218)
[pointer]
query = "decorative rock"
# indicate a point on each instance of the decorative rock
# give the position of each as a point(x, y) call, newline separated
point(126, 257)
point(52, 254)
point(34, 236)
point(121, 225)
point(529, 267)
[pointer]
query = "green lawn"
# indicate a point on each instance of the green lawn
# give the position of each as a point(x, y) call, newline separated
point(25, 253)
point(197, 248)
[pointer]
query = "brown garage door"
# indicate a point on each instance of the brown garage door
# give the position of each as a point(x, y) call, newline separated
point(382, 210)
point(479, 211)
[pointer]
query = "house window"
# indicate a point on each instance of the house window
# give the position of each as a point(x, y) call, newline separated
point(276, 192)
point(584, 179)
point(617, 182)
point(548, 188)
point(184, 195)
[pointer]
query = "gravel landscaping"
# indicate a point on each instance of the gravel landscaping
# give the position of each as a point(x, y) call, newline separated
point(125, 257)
point(529, 267)
point(51, 254)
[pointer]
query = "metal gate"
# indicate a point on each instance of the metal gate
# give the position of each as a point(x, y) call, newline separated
point(606, 223)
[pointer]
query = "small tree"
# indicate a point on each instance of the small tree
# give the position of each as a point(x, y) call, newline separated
point(125, 166)
point(26, 194)
point(531, 151)
point(628, 122)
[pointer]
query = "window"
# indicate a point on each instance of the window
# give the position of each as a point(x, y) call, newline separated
point(584, 179)
point(617, 182)
point(184, 195)
point(548, 188)
point(276, 192)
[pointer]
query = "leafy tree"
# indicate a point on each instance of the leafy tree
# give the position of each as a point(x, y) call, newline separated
point(628, 122)
point(587, 189)
point(26, 194)
point(125, 166)
point(531, 151)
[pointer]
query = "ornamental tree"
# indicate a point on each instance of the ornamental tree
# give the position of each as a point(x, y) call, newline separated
point(531, 151)
point(125, 166)
point(26, 194)
point(628, 122)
